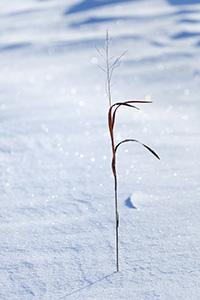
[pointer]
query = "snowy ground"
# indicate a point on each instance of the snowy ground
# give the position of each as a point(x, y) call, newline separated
point(56, 205)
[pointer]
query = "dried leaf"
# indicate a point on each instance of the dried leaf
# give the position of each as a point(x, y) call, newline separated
point(132, 140)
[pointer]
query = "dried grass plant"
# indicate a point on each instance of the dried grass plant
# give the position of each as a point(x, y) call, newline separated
point(111, 63)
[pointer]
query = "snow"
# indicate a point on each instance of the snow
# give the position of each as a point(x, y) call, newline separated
point(57, 202)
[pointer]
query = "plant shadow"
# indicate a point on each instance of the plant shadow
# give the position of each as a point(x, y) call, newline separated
point(129, 203)
point(87, 286)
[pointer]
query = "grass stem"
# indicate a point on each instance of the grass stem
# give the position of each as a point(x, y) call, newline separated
point(111, 121)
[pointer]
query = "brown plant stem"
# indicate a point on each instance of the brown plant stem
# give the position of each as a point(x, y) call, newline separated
point(109, 68)
point(117, 226)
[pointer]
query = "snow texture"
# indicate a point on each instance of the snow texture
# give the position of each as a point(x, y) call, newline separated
point(57, 203)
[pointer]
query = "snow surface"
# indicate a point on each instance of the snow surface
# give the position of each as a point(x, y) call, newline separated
point(57, 205)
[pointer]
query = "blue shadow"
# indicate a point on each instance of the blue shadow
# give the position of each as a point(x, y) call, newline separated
point(96, 21)
point(190, 21)
point(129, 204)
point(87, 286)
point(90, 4)
point(183, 2)
point(15, 46)
point(184, 35)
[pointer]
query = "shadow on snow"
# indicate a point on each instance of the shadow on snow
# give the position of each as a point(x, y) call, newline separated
point(129, 204)
point(183, 2)
point(15, 46)
point(185, 34)
point(90, 4)
point(87, 286)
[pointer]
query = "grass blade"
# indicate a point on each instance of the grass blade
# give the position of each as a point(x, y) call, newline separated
point(132, 140)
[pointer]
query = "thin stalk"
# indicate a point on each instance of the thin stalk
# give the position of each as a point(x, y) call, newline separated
point(110, 123)
point(108, 70)
point(117, 226)
point(115, 189)
point(109, 74)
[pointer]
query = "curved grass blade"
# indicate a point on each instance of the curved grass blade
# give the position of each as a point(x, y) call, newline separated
point(132, 140)
point(118, 105)
point(125, 103)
